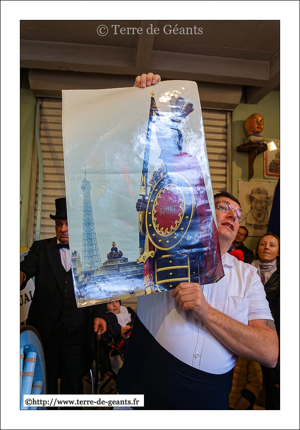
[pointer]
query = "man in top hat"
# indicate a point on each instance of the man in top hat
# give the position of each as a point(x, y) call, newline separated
point(66, 330)
point(258, 216)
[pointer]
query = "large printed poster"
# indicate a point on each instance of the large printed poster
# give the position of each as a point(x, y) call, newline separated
point(139, 195)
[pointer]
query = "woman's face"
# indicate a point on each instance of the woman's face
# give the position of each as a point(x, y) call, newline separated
point(268, 249)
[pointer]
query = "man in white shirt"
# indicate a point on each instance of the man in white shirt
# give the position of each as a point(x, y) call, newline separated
point(185, 342)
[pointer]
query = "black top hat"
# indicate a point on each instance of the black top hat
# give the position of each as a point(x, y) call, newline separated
point(61, 209)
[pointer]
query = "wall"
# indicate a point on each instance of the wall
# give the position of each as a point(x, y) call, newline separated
point(269, 107)
point(27, 118)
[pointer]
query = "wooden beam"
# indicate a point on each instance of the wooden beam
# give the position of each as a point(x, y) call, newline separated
point(50, 83)
point(210, 68)
point(55, 80)
point(144, 48)
point(74, 56)
point(132, 61)
point(254, 95)
point(219, 96)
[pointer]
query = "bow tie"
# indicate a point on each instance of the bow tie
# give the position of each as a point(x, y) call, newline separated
point(61, 245)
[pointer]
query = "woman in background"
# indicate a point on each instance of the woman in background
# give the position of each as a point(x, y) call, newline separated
point(266, 260)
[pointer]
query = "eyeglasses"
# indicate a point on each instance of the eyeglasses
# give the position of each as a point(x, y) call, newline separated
point(226, 207)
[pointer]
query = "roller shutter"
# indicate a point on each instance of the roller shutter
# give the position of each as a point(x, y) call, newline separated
point(217, 129)
point(53, 163)
point(217, 134)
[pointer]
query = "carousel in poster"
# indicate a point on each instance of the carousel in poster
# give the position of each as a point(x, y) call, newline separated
point(140, 203)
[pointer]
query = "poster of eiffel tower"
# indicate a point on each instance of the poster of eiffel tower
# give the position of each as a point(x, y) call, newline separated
point(90, 253)
point(139, 196)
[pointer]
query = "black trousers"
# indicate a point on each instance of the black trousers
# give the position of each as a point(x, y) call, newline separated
point(272, 397)
point(64, 354)
point(166, 382)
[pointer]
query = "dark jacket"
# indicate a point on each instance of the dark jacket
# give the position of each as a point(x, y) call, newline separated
point(43, 262)
point(112, 336)
point(248, 254)
point(113, 331)
point(272, 289)
point(48, 308)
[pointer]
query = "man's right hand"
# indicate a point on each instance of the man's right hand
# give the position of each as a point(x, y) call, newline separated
point(146, 80)
point(189, 297)
point(100, 325)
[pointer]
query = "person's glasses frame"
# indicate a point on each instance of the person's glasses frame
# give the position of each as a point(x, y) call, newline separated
point(226, 207)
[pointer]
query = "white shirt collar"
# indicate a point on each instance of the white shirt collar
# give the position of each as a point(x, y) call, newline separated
point(228, 259)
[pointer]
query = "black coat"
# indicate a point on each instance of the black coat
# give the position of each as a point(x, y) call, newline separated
point(248, 254)
point(113, 331)
point(46, 311)
point(112, 336)
point(43, 262)
point(272, 289)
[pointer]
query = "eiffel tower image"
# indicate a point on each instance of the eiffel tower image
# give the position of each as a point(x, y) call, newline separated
point(90, 252)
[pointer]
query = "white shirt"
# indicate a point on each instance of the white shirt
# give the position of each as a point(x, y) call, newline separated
point(239, 294)
point(65, 257)
point(123, 316)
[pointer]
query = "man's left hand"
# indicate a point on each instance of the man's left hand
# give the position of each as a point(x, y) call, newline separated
point(100, 325)
point(189, 297)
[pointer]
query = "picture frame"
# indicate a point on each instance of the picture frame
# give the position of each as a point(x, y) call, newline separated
point(272, 161)
point(256, 198)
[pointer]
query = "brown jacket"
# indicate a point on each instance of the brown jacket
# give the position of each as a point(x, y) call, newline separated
point(247, 381)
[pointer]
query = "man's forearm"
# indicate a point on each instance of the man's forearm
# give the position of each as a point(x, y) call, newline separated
point(257, 341)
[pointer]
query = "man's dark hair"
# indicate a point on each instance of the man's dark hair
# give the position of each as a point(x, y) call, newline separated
point(245, 228)
point(228, 195)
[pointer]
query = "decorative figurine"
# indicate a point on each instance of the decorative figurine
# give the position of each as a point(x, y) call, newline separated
point(114, 252)
point(254, 143)
point(254, 125)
